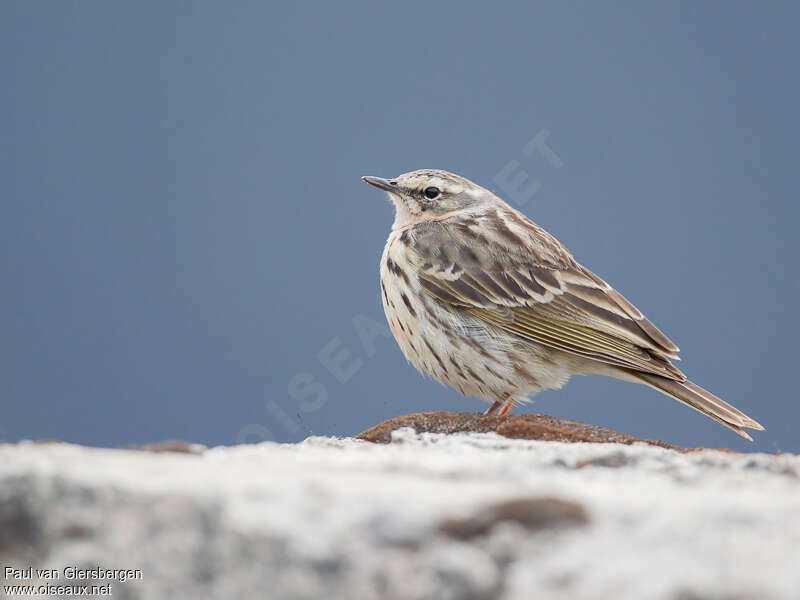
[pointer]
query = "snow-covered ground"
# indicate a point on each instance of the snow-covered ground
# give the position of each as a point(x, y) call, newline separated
point(423, 517)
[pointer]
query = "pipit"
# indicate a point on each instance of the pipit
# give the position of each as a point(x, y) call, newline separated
point(481, 298)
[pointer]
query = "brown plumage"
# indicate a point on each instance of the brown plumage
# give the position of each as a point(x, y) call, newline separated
point(481, 298)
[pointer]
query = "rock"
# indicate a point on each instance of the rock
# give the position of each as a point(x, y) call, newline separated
point(613, 460)
point(20, 533)
point(470, 516)
point(170, 446)
point(517, 426)
point(533, 514)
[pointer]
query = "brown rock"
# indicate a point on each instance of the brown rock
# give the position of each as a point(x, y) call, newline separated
point(533, 514)
point(525, 426)
point(613, 461)
point(178, 446)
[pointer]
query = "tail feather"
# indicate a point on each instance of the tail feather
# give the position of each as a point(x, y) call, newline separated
point(703, 401)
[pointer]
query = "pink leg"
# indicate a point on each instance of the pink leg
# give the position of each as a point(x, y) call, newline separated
point(506, 407)
point(493, 408)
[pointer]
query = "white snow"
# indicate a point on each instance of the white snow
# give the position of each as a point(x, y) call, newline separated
point(341, 518)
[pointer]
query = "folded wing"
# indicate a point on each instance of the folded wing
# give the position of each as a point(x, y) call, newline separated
point(538, 292)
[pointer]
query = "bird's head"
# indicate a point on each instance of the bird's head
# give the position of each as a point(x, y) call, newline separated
point(428, 194)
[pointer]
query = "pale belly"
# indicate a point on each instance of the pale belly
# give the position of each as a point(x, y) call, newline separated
point(456, 348)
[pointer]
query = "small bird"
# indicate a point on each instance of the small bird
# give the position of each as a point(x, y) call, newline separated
point(483, 299)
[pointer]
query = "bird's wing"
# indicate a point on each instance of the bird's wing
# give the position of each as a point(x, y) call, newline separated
point(537, 291)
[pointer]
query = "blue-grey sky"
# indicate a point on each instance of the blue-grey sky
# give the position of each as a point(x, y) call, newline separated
point(188, 250)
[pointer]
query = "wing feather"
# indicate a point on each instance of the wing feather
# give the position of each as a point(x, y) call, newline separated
point(546, 297)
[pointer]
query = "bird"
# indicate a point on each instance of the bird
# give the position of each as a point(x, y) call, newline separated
point(484, 300)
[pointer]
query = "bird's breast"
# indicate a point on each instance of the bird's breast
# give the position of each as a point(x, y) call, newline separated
point(400, 296)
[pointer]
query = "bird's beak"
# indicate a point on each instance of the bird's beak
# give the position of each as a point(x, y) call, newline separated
point(380, 182)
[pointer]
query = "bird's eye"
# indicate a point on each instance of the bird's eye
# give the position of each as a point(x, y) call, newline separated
point(432, 192)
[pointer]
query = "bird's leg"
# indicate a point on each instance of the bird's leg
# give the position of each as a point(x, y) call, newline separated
point(493, 408)
point(506, 407)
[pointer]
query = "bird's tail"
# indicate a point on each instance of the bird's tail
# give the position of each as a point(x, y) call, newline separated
point(703, 401)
